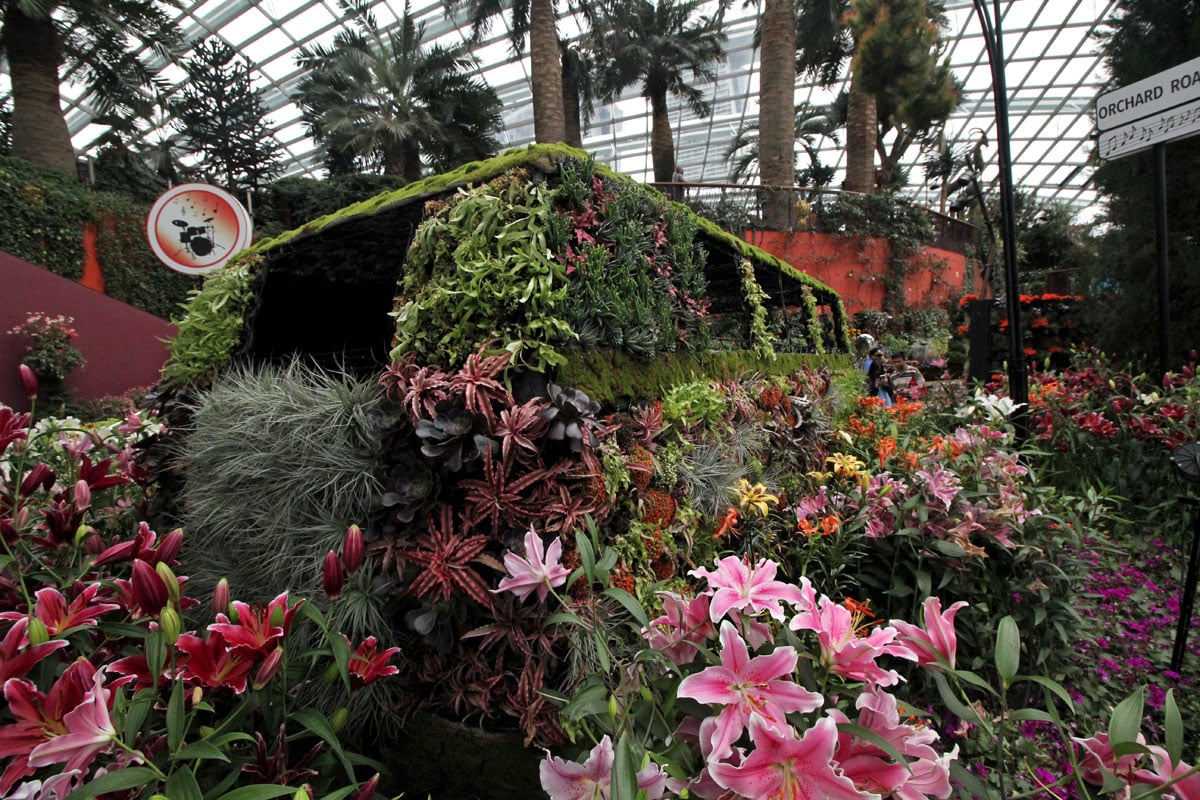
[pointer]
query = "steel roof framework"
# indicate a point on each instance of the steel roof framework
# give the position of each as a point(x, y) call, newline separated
point(1054, 72)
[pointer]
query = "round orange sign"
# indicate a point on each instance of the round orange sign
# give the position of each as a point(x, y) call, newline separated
point(195, 228)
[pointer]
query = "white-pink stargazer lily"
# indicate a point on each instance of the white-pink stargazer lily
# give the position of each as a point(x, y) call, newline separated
point(737, 586)
point(592, 780)
point(748, 688)
point(850, 651)
point(789, 768)
point(682, 628)
point(538, 571)
point(936, 645)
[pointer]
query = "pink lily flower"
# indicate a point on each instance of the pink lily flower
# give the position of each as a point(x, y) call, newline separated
point(89, 732)
point(683, 626)
point(52, 609)
point(56, 787)
point(592, 780)
point(871, 769)
point(214, 663)
point(936, 645)
point(782, 766)
point(17, 656)
point(748, 688)
point(1096, 759)
point(256, 631)
point(735, 585)
point(1184, 788)
point(850, 651)
point(37, 717)
point(366, 665)
point(538, 571)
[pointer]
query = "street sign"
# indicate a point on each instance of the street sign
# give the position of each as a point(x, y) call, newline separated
point(1154, 110)
point(195, 228)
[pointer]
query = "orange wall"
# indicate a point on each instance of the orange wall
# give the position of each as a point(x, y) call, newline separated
point(855, 267)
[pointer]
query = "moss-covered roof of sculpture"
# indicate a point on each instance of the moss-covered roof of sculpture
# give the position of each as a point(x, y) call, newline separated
point(373, 235)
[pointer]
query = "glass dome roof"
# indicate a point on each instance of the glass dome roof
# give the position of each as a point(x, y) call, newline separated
point(1054, 72)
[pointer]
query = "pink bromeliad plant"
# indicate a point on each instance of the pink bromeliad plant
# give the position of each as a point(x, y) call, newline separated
point(113, 678)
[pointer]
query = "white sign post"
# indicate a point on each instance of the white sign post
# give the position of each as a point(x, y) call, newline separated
point(1149, 113)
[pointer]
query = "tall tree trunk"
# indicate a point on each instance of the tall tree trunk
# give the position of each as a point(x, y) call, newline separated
point(570, 95)
point(545, 73)
point(39, 129)
point(777, 112)
point(662, 143)
point(861, 127)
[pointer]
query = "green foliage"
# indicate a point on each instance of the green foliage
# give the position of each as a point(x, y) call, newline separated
point(694, 403)
point(44, 215)
point(212, 326)
point(280, 463)
point(480, 270)
point(132, 273)
point(295, 200)
point(615, 376)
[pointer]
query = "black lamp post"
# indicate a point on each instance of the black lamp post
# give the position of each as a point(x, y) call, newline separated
point(1186, 461)
point(1018, 382)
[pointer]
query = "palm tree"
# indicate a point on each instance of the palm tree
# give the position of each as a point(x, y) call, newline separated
point(811, 124)
point(377, 98)
point(776, 110)
point(538, 19)
point(892, 46)
point(656, 44)
point(94, 40)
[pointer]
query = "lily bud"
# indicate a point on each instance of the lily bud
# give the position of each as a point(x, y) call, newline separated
point(305, 792)
point(353, 550)
point(83, 495)
point(29, 381)
point(149, 591)
point(333, 579)
point(164, 571)
point(37, 632)
point(367, 790)
point(168, 550)
point(220, 598)
point(170, 625)
point(81, 534)
point(268, 669)
point(338, 720)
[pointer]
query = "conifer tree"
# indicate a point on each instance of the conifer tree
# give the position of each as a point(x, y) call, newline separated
point(222, 118)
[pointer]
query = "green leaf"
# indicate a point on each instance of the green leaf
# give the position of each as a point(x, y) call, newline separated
point(956, 706)
point(175, 716)
point(1036, 714)
point(587, 556)
point(201, 751)
point(868, 735)
point(316, 722)
point(1174, 726)
point(122, 779)
point(624, 774)
point(345, 791)
point(341, 656)
point(959, 774)
point(630, 603)
point(182, 785)
point(1008, 650)
point(1052, 685)
point(591, 700)
point(135, 713)
point(1126, 720)
point(260, 791)
point(968, 677)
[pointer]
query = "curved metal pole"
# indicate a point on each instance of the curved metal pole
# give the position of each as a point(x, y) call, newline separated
point(1018, 381)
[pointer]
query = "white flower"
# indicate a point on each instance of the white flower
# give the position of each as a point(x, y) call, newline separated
point(994, 407)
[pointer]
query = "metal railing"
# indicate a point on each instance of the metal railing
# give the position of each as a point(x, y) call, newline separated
point(738, 207)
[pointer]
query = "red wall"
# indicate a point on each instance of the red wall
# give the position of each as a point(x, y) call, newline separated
point(123, 346)
point(855, 266)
